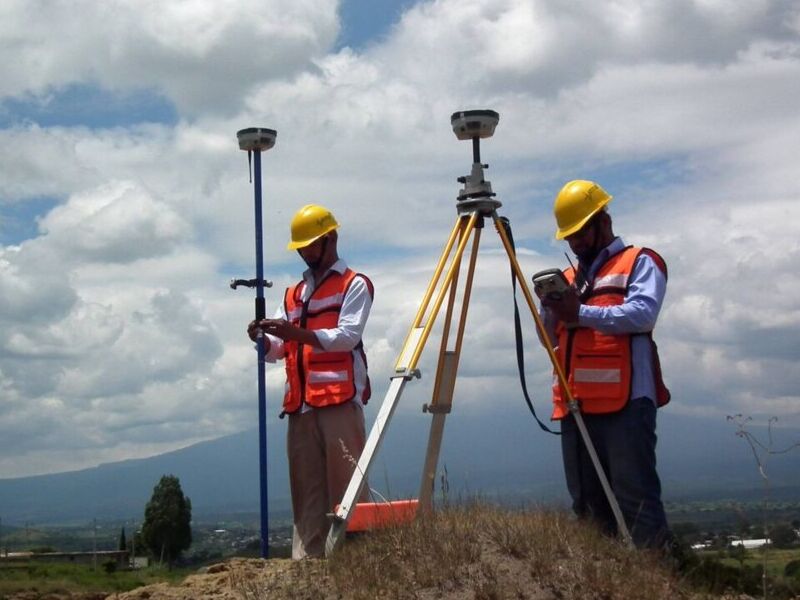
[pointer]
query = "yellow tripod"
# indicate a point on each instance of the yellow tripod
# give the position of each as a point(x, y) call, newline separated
point(476, 202)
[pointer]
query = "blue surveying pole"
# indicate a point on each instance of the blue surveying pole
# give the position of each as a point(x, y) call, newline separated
point(256, 140)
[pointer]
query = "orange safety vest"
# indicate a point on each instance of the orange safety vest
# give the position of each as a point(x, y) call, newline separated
point(313, 375)
point(598, 366)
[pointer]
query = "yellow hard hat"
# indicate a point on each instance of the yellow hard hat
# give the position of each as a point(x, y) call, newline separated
point(575, 204)
point(309, 224)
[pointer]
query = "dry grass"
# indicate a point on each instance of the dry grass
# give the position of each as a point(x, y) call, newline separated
point(483, 553)
point(475, 552)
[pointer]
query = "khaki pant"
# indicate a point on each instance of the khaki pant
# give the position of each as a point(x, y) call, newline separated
point(323, 445)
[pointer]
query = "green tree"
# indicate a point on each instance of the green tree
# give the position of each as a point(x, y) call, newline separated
point(687, 532)
point(738, 552)
point(782, 536)
point(792, 569)
point(123, 543)
point(167, 530)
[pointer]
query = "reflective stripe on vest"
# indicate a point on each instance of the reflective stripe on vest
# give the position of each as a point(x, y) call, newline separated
point(598, 366)
point(323, 376)
point(614, 280)
point(597, 375)
point(314, 375)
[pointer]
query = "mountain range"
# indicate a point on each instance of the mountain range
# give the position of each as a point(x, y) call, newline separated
point(506, 458)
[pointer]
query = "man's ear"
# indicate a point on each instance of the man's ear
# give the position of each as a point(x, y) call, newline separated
point(604, 219)
point(333, 237)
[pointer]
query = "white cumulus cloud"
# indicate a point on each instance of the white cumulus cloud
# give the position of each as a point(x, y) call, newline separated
point(118, 331)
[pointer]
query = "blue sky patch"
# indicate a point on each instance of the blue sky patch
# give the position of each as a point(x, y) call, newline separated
point(18, 221)
point(635, 177)
point(89, 106)
point(366, 21)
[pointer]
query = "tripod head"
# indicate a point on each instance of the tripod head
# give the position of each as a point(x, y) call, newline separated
point(477, 192)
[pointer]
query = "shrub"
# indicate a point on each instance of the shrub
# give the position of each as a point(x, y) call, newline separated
point(110, 566)
point(792, 569)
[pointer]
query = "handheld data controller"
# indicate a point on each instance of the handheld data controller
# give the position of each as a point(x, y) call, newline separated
point(550, 283)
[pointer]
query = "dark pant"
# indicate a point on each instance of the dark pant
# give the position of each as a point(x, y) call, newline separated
point(625, 442)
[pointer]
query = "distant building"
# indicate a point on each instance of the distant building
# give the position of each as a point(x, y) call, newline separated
point(86, 558)
point(140, 562)
point(750, 544)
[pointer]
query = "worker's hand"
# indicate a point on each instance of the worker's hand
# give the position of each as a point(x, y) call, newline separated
point(284, 330)
point(279, 328)
point(253, 330)
point(564, 306)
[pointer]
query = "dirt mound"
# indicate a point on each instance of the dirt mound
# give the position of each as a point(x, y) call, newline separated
point(240, 579)
point(256, 579)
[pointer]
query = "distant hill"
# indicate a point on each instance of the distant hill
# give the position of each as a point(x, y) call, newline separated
point(506, 458)
point(213, 474)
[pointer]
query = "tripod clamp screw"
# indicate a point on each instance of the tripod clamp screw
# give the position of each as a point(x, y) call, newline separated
point(436, 409)
point(408, 374)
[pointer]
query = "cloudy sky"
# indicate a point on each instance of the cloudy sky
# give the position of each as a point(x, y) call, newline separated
point(125, 205)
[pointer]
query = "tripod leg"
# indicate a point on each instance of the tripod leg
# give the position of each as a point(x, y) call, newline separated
point(415, 332)
point(444, 398)
point(405, 369)
point(415, 342)
point(445, 382)
point(574, 408)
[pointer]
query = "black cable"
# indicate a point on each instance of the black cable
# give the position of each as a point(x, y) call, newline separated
point(518, 333)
